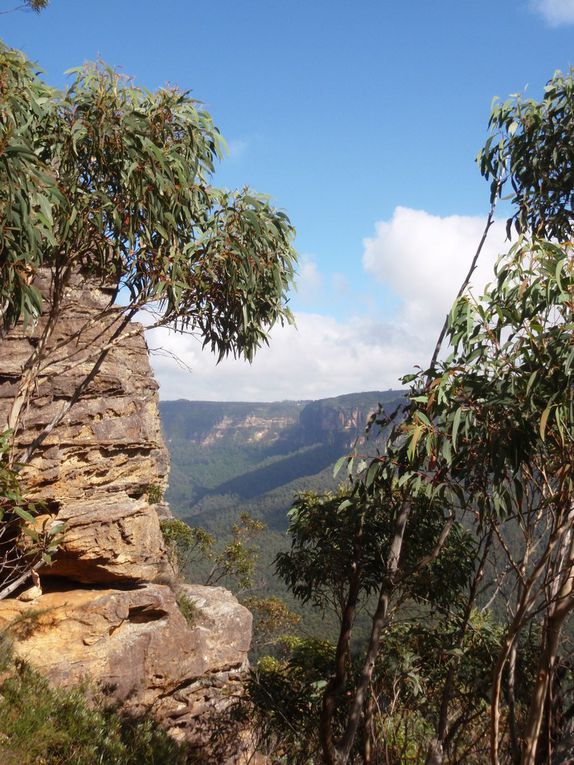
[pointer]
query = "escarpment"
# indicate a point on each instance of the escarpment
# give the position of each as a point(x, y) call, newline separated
point(108, 613)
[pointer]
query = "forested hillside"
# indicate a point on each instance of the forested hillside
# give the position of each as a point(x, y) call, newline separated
point(228, 458)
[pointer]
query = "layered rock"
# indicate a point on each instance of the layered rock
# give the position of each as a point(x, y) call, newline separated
point(109, 612)
point(97, 467)
point(136, 646)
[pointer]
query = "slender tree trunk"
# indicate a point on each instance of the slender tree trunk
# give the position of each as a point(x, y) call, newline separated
point(339, 753)
point(560, 609)
point(523, 613)
point(514, 743)
point(539, 695)
point(466, 280)
point(435, 752)
point(337, 685)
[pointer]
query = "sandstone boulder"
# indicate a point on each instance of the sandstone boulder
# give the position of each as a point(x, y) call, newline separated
point(136, 646)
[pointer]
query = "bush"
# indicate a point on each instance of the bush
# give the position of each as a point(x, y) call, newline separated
point(187, 607)
point(41, 724)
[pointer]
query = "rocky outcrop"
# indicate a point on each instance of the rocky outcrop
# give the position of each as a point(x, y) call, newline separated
point(96, 469)
point(109, 539)
point(136, 646)
point(109, 611)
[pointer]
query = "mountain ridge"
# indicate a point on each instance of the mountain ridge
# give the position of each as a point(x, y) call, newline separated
point(230, 457)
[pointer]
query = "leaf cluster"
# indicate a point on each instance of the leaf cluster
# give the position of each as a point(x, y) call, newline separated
point(531, 149)
point(113, 181)
point(333, 534)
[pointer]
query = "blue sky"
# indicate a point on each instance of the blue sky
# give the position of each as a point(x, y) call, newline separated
point(362, 120)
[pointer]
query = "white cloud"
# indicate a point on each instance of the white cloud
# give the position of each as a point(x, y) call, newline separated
point(309, 281)
point(555, 12)
point(424, 258)
point(320, 357)
point(420, 258)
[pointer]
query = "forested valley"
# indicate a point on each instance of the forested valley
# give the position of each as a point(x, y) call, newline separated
point(407, 555)
point(455, 538)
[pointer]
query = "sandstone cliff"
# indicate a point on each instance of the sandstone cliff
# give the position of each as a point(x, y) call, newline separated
point(109, 613)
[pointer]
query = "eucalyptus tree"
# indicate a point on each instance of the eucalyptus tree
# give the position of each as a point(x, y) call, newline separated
point(112, 183)
point(487, 433)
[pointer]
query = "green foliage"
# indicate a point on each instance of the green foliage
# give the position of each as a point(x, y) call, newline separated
point(154, 493)
point(514, 404)
point(284, 700)
point(531, 148)
point(323, 556)
point(186, 545)
point(39, 723)
point(11, 499)
point(272, 620)
point(238, 557)
point(27, 187)
point(110, 182)
point(187, 607)
point(114, 181)
point(233, 561)
point(486, 437)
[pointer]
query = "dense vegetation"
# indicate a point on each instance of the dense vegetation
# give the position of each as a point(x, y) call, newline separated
point(251, 459)
point(241, 457)
point(469, 506)
point(41, 724)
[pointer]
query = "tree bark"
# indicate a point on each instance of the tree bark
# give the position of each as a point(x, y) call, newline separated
point(560, 609)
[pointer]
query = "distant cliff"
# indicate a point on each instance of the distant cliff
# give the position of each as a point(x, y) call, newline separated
point(229, 457)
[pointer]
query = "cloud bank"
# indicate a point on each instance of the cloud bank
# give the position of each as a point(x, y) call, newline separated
point(424, 259)
point(555, 12)
point(320, 357)
point(419, 257)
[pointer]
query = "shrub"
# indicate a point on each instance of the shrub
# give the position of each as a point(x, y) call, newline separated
point(52, 726)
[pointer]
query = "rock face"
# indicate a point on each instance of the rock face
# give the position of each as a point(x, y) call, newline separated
point(109, 612)
point(136, 645)
point(96, 468)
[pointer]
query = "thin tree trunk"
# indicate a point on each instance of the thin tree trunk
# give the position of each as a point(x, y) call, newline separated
point(343, 749)
point(561, 607)
point(337, 685)
point(466, 281)
point(523, 613)
point(9, 589)
point(435, 752)
point(514, 743)
point(540, 693)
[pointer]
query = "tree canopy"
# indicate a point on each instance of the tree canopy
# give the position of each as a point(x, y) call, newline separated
point(114, 181)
